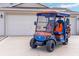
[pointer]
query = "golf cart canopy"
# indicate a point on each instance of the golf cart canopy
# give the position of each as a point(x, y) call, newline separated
point(53, 14)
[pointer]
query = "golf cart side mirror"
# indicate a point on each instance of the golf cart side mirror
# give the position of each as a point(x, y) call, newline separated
point(35, 23)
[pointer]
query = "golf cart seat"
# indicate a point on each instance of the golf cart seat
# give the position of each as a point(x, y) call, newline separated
point(59, 27)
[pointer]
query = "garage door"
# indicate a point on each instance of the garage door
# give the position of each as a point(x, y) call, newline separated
point(20, 24)
point(73, 22)
point(78, 25)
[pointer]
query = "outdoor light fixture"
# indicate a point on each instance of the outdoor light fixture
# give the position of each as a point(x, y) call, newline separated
point(1, 16)
point(78, 18)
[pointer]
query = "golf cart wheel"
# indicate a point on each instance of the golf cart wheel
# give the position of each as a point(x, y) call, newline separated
point(66, 42)
point(32, 43)
point(50, 45)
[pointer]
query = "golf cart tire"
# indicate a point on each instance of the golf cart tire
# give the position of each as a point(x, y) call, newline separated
point(32, 43)
point(66, 42)
point(50, 45)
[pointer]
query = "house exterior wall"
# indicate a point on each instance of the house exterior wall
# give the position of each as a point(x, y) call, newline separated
point(1, 23)
point(22, 23)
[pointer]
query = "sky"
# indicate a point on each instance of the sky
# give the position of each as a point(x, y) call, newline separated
point(71, 6)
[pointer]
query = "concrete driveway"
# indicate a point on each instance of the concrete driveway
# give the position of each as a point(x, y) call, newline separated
point(19, 46)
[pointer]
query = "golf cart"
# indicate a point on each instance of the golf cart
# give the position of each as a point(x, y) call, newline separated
point(51, 29)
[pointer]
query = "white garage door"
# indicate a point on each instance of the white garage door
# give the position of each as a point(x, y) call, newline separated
point(78, 25)
point(20, 24)
point(73, 22)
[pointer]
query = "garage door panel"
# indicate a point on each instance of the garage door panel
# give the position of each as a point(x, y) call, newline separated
point(73, 22)
point(20, 24)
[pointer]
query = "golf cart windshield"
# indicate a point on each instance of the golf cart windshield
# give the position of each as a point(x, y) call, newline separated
point(43, 24)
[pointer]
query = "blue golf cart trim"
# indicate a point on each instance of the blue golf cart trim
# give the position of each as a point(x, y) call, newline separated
point(53, 14)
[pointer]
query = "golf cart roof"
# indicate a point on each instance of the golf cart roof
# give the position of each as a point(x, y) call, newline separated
point(53, 14)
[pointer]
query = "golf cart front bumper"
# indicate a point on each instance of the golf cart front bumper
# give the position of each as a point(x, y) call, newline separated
point(40, 40)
